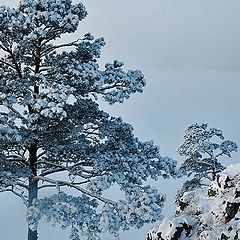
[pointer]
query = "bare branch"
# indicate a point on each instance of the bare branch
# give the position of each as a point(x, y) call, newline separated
point(86, 163)
point(61, 168)
point(202, 161)
point(41, 154)
point(42, 69)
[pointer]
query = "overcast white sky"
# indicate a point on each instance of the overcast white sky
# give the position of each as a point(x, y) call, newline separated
point(189, 52)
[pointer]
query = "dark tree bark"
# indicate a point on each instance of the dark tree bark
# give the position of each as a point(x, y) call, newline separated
point(33, 186)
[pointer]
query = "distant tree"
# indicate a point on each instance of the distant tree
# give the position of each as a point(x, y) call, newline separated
point(202, 148)
point(54, 135)
point(208, 204)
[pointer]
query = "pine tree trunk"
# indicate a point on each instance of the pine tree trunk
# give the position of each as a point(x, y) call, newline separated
point(33, 192)
point(214, 170)
point(33, 183)
point(33, 186)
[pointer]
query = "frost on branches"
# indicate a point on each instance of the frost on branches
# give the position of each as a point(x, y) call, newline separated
point(202, 147)
point(54, 135)
point(212, 212)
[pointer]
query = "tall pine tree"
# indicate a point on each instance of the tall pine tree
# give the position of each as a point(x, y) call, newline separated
point(54, 135)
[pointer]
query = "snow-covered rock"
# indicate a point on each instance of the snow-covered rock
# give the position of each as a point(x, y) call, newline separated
point(210, 213)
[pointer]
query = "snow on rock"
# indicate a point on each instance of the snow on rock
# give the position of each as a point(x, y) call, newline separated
point(209, 213)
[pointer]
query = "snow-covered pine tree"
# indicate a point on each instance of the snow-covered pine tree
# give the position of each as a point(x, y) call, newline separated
point(208, 204)
point(202, 148)
point(54, 135)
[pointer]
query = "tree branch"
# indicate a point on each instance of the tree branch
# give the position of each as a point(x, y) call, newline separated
point(60, 185)
point(71, 185)
point(100, 91)
point(22, 185)
point(203, 162)
point(15, 158)
point(17, 67)
point(219, 154)
point(52, 171)
point(59, 168)
point(18, 195)
point(41, 154)
point(52, 164)
point(8, 64)
point(50, 49)
point(15, 111)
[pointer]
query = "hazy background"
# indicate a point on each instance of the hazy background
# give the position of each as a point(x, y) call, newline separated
point(190, 55)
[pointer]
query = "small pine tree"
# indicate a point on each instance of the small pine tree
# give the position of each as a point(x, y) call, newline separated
point(53, 133)
point(202, 148)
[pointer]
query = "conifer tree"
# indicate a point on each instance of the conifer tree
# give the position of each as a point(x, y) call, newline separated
point(54, 135)
point(203, 147)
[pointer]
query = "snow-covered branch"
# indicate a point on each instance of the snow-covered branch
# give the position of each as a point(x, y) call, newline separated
point(71, 185)
point(10, 107)
point(63, 184)
point(53, 48)
point(7, 63)
point(58, 168)
point(20, 195)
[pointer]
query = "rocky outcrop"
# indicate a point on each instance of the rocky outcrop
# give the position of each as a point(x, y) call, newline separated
point(210, 213)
